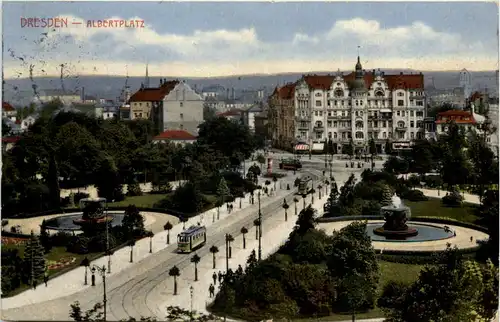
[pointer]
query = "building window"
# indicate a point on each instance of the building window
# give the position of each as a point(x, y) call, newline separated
point(411, 113)
point(419, 124)
point(182, 127)
point(320, 113)
point(182, 116)
point(398, 113)
point(318, 94)
point(334, 135)
point(181, 104)
point(403, 114)
point(357, 113)
point(315, 113)
point(412, 135)
point(359, 124)
point(361, 103)
point(375, 124)
point(412, 124)
point(334, 123)
point(359, 135)
point(420, 103)
point(319, 135)
point(318, 103)
point(390, 135)
point(401, 102)
point(400, 94)
point(329, 123)
point(420, 114)
point(401, 124)
point(329, 113)
point(384, 135)
point(343, 135)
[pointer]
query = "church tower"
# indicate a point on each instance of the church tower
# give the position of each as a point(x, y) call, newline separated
point(146, 80)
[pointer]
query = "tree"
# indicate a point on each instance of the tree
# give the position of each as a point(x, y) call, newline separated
point(168, 226)
point(452, 290)
point(243, 232)
point(174, 272)
point(356, 292)
point(175, 313)
point(285, 206)
point(214, 250)
point(455, 168)
point(372, 148)
point(108, 180)
point(195, 260)
point(96, 314)
point(295, 200)
point(349, 149)
point(346, 197)
point(44, 237)
point(150, 234)
point(222, 192)
point(133, 222)
point(332, 204)
point(422, 157)
point(306, 220)
point(262, 160)
point(256, 223)
point(208, 112)
point(352, 252)
point(34, 262)
point(131, 244)
point(485, 167)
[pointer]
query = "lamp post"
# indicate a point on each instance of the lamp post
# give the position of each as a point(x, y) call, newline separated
point(260, 229)
point(191, 290)
point(102, 272)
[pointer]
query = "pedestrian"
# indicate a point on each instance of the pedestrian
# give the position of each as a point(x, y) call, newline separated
point(211, 290)
point(220, 277)
point(231, 207)
point(454, 234)
point(239, 271)
point(471, 238)
point(34, 284)
point(93, 279)
point(45, 279)
point(214, 277)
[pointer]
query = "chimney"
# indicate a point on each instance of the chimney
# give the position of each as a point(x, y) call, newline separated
point(83, 94)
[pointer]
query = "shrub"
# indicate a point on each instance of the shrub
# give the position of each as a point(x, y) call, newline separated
point(453, 199)
point(5, 222)
point(296, 182)
point(61, 238)
point(414, 195)
point(134, 189)
point(433, 181)
point(79, 245)
point(64, 202)
point(274, 175)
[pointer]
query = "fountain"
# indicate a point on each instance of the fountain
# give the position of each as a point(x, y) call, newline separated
point(396, 216)
point(93, 213)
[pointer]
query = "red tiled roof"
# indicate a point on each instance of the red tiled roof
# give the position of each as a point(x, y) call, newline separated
point(154, 94)
point(287, 92)
point(10, 139)
point(406, 81)
point(178, 135)
point(233, 112)
point(7, 107)
point(319, 81)
point(458, 116)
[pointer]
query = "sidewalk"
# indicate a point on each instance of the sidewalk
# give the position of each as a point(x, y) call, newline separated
point(72, 281)
point(275, 233)
point(434, 193)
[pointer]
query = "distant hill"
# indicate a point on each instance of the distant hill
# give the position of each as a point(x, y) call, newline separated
point(19, 91)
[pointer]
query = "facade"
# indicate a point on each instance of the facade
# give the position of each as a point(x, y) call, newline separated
point(175, 136)
point(249, 116)
point(8, 111)
point(234, 114)
point(455, 97)
point(262, 124)
point(182, 109)
point(350, 108)
point(215, 104)
point(65, 97)
point(282, 123)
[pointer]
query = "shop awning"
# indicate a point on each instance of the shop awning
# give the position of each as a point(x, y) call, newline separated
point(318, 146)
point(301, 147)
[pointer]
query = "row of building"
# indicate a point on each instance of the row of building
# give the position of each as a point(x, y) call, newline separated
point(356, 107)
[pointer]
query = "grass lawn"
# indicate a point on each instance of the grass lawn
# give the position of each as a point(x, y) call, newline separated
point(434, 208)
point(144, 201)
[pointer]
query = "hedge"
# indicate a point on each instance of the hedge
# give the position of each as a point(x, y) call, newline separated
point(422, 259)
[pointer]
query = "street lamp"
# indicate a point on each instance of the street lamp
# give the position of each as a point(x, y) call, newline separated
point(260, 228)
point(102, 272)
point(191, 290)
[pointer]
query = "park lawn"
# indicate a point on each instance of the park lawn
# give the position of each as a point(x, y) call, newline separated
point(144, 201)
point(434, 208)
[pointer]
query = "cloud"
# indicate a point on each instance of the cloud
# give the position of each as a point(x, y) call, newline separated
point(242, 51)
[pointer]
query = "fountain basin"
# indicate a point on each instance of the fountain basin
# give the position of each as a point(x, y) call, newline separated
point(417, 232)
point(73, 222)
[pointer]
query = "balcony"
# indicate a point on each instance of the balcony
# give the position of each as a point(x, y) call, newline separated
point(401, 129)
point(302, 118)
point(374, 129)
point(319, 128)
point(303, 126)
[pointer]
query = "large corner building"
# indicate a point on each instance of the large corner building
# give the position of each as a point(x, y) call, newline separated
point(358, 106)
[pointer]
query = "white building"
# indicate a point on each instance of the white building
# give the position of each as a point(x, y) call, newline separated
point(359, 106)
point(182, 109)
point(65, 97)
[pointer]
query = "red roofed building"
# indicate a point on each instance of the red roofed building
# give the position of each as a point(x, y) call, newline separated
point(172, 105)
point(232, 114)
point(9, 111)
point(175, 136)
point(358, 106)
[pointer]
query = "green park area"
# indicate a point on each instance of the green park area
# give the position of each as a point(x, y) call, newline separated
point(434, 207)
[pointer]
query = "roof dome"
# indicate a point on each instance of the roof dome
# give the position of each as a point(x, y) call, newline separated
point(359, 81)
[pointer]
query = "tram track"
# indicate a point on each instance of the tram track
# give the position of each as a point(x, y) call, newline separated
point(129, 293)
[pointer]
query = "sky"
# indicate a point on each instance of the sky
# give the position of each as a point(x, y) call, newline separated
point(201, 39)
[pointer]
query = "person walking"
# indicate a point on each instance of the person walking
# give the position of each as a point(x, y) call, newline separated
point(220, 277)
point(35, 284)
point(211, 290)
point(214, 277)
point(45, 279)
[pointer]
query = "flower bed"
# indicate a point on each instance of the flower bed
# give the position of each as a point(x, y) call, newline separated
point(63, 262)
point(13, 241)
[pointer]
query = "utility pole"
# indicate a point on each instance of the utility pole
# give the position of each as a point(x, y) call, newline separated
point(227, 253)
point(107, 236)
point(260, 229)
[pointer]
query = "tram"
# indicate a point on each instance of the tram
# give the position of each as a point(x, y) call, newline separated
point(191, 239)
point(305, 185)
